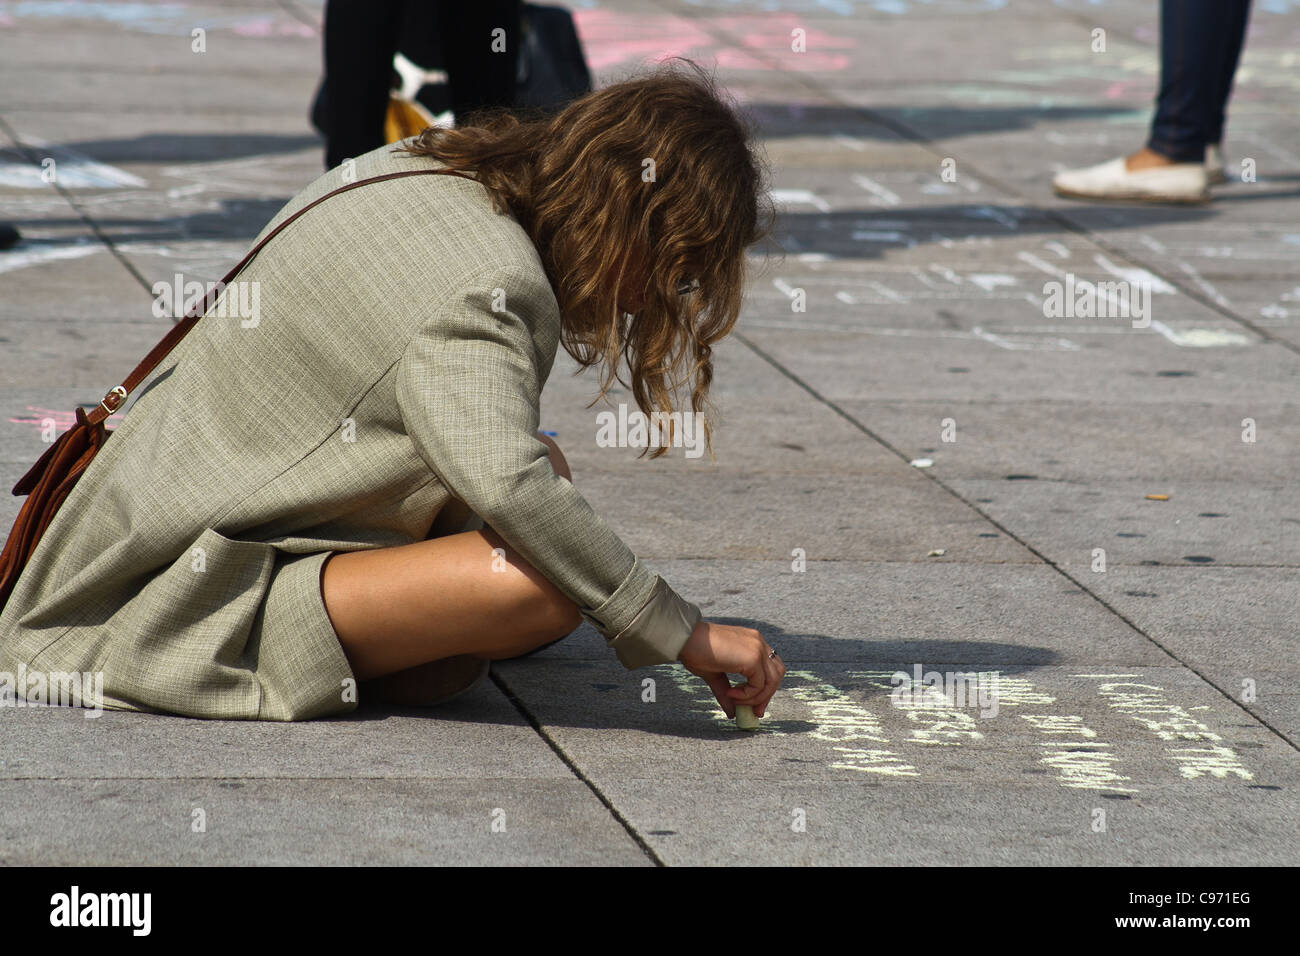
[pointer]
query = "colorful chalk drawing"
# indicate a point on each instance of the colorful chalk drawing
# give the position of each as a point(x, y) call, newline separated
point(848, 8)
point(859, 740)
point(611, 38)
point(60, 419)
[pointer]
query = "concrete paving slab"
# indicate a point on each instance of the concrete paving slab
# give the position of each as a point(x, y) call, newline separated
point(1070, 441)
point(313, 822)
point(76, 353)
point(479, 734)
point(1128, 371)
point(1066, 520)
point(70, 277)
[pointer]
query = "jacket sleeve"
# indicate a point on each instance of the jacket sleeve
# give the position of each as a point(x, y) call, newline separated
point(468, 388)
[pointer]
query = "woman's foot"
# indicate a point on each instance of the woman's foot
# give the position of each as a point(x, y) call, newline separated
point(1145, 175)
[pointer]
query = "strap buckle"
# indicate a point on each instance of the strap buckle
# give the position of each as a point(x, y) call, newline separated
point(113, 400)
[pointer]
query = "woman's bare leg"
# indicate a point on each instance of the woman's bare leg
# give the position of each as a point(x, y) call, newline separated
point(461, 594)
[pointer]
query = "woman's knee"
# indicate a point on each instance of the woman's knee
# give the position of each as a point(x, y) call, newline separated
point(543, 610)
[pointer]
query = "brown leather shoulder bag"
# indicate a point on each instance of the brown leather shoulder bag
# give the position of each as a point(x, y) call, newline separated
point(49, 481)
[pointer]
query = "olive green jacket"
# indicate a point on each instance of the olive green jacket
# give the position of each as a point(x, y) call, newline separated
point(403, 334)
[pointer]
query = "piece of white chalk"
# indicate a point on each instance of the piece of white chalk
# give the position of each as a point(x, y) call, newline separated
point(745, 718)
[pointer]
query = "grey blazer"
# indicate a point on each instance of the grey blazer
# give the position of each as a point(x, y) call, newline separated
point(403, 336)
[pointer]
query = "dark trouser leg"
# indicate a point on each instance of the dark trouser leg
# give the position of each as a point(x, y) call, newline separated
point(1235, 35)
point(360, 40)
point(479, 76)
point(1196, 43)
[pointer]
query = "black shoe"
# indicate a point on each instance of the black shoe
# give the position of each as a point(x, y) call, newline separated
point(9, 236)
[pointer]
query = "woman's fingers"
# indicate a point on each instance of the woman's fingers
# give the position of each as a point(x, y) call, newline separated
point(777, 672)
point(757, 694)
point(716, 650)
point(719, 684)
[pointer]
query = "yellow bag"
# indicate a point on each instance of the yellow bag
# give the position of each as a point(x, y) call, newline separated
point(405, 118)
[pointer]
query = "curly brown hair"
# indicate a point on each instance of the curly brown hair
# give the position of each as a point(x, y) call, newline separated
point(635, 192)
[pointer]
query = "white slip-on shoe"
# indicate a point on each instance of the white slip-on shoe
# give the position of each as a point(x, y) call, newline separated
point(1214, 167)
point(1178, 183)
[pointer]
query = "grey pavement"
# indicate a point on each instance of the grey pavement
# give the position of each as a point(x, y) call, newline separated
point(1142, 651)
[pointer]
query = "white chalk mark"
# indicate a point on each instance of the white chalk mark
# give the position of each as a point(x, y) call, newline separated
point(924, 279)
point(12, 261)
point(1040, 265)
point(800, 197)
point(1048, 345)
point(1153, 244)
point(1199, 338)
point(1137, 275)
point(784, 287)
point(884, 196)
point(1057, 247)
point(946, 273)
point(76, 170)
point(1201, 283)
point(863, 235)
point(988, 281)
point(887, 292)
point(849, 142)
point(180, 192)
point(846, 298)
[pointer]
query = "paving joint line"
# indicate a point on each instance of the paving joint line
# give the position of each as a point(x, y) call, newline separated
point(71, 200)
point(568, 761)
point(1012, 535)
point(295, 10)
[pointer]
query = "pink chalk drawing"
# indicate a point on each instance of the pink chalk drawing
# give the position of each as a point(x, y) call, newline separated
point(62, 420)
point(273, 26)
point(763, 41)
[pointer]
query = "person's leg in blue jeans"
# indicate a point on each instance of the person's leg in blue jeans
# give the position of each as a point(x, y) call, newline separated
point(1200, 44)
point(1233, 43)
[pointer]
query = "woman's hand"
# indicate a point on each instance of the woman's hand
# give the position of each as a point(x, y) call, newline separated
point(715, 650)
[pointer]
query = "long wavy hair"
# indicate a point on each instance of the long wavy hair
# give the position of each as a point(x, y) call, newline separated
point(647, 192)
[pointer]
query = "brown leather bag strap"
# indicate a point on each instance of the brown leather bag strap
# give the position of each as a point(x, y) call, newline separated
point(118, 393)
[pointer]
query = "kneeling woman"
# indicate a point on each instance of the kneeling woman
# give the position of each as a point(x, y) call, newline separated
point(310, 509)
